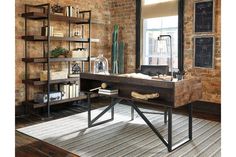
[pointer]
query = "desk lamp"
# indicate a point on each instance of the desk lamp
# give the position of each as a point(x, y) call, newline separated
point(161, 37)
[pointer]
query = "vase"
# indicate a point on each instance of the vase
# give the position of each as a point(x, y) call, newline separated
point(101, 65)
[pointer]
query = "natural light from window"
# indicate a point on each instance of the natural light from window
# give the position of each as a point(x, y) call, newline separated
point(147, 2)
point(157, 52)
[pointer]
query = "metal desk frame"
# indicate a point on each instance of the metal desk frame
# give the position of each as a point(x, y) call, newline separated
point(167, 113)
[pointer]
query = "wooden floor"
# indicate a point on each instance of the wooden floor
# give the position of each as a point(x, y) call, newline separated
point(30, 147)
point(27, 146)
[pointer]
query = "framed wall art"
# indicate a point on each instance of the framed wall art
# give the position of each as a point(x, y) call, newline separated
point(204, 16)
point(204, 51)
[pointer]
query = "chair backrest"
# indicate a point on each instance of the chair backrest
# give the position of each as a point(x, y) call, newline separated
point(152, 70)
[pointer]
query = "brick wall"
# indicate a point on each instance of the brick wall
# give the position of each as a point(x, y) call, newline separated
point(211, 78)
point(123, 13)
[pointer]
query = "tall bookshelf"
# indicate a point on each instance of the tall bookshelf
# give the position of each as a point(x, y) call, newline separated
point(43, 14)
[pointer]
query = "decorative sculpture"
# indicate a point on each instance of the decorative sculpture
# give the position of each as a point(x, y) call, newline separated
point(117, 51)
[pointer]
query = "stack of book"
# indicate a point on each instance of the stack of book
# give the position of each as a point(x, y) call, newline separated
point(44, 31)
point(108, 91)
point(70, 90)
point(58, 34)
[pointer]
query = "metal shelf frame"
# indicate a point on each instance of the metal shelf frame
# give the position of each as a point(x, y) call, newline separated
point(46, 16)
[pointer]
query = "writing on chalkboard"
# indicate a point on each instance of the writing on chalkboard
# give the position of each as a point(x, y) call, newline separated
point(204, 52)
point(204, 16)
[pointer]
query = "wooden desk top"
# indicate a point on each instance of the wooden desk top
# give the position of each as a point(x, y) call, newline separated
point(173, 93)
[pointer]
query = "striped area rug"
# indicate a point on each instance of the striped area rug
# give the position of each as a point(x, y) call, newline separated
point(123, 137)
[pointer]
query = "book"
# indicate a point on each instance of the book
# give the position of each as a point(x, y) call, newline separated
point(64, 89)
point(71, 91)
point(108, 90)
point(73, 88)
point(108, 93)
point(77, 90)
point(68, 91)
point(58, 34)
point(74, 75)
point(44, 31)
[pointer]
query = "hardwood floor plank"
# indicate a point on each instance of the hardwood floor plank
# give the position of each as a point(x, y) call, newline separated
point(28, 146)
point(27, 151)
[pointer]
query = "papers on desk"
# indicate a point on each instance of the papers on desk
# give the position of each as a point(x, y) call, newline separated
point(162, 78)
point(143, 76)
point(137, 75)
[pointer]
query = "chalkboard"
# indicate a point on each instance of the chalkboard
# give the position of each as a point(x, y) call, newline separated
point(204, 52)
point(204, 16)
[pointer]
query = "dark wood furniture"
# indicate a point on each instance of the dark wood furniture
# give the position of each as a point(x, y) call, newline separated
point(43, 14)
point(172, 95)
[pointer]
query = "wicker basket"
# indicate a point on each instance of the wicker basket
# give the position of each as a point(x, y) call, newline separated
point(54, 75)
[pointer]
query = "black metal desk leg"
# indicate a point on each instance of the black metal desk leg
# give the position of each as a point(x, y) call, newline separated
point(89, 110)
point(132, 113)
point(112, 110)
point(169, 129)
point(190, 123)
point(183, 141)
point(165, 115)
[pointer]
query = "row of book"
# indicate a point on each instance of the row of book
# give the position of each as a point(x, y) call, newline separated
point(108, 91)
point(69, 90)
point(44, 32)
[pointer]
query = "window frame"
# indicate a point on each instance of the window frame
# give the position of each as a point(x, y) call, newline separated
point(180, 34)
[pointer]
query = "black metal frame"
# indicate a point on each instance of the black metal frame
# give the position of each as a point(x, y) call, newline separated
point(42, 6)
point(167, 113)
point(46, 48)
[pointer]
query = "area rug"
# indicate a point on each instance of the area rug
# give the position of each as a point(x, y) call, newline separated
point(123, 137)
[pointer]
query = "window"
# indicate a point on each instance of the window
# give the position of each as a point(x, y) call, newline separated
point(157, 52)
point(147, 2)
point(159, 17)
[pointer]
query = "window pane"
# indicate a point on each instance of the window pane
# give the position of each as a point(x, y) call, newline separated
point(146, 2)
point(157, 52)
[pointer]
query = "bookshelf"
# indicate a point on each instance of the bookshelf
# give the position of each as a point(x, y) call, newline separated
point(42, 13)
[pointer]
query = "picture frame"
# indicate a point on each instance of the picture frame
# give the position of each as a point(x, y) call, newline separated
point(204, 16)
point(204, 47)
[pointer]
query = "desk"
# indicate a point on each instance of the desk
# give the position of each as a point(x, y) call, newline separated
point(172, 95)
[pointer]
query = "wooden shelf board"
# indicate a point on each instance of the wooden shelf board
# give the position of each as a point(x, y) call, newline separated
point(44, 38)
point(37, 81)
point(45, 60)
point(39, 105)
point(34, 15)
point(39, 16)
point(99, 22)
